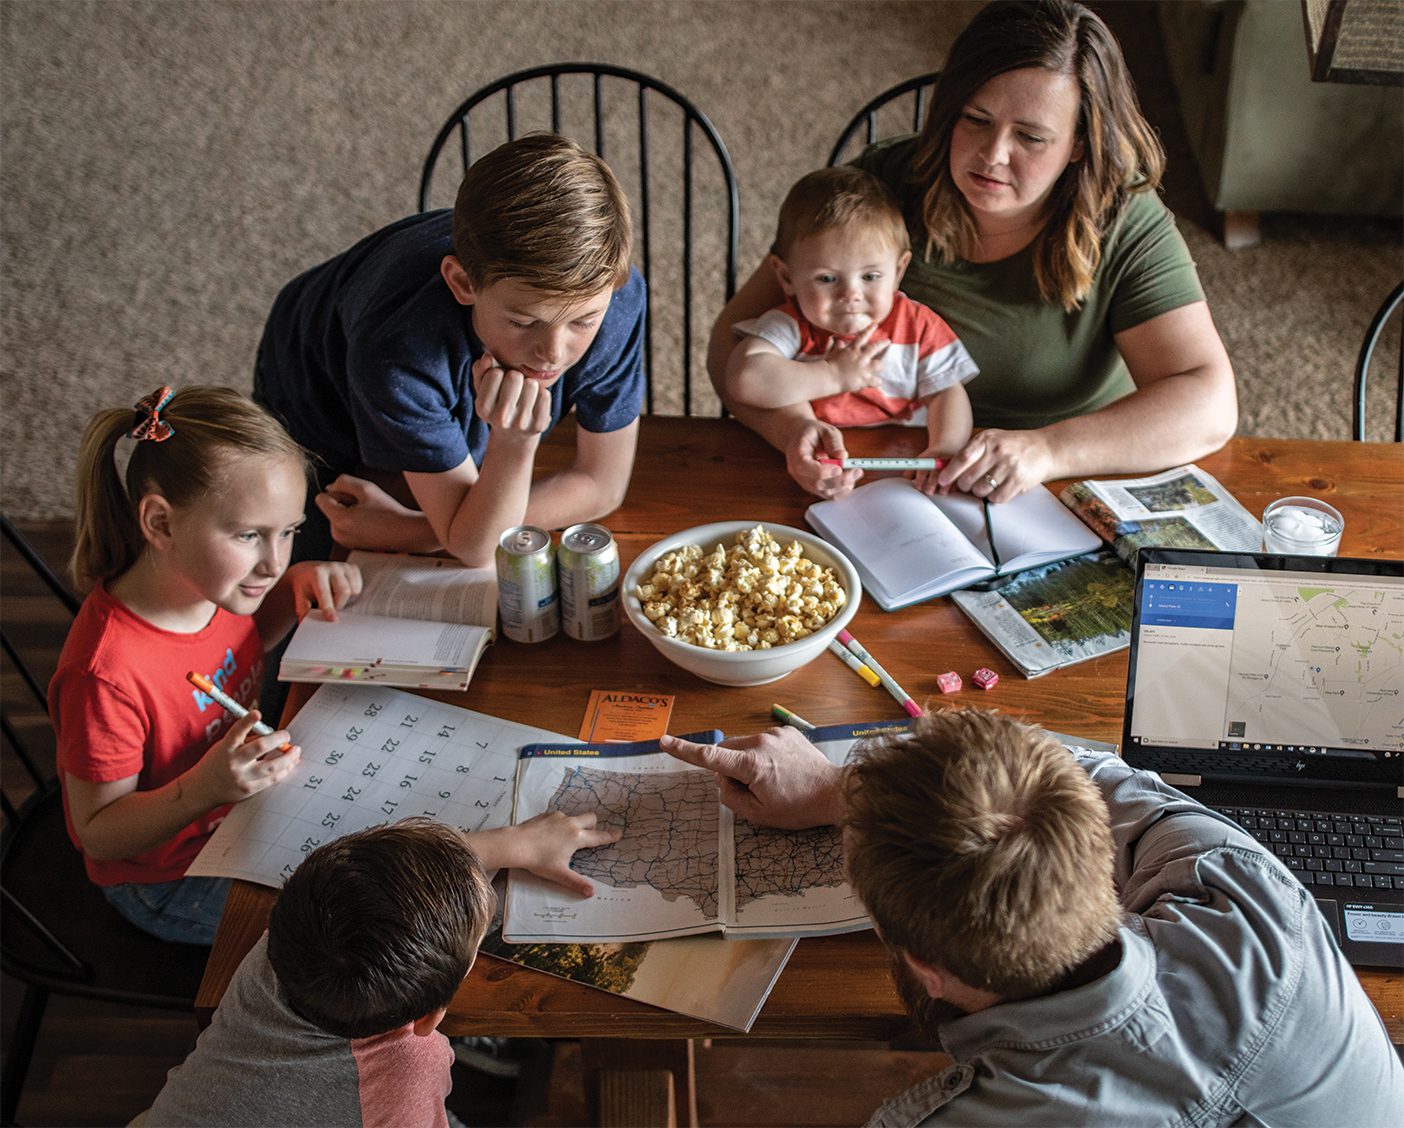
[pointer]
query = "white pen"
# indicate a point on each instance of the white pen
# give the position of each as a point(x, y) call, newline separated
point(219, 697)
point(885, 463)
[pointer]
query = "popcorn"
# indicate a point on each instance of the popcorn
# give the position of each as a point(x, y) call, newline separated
point(753, 596)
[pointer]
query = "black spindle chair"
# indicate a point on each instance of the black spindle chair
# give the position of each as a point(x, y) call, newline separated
point(58, 935)
point(1386, 320)
point(867, 125)
point(685, 206)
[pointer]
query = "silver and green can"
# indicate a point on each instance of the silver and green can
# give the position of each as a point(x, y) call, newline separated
point(588, 563)
point(526, 585)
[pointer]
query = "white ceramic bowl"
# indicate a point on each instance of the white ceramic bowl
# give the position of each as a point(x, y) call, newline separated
point(741, 667)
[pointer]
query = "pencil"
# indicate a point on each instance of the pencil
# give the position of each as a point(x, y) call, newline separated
point(903, 698)
point(849, 660)
point(794, 720)
point(219, 697)
point(886, 463)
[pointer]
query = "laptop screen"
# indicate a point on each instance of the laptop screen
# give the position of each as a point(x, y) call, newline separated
point(1246, 665)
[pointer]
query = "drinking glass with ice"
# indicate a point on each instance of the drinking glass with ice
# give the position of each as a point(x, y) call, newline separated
point(1302, 526)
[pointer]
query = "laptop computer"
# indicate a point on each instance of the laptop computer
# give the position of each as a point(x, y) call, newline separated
point(1271, 688)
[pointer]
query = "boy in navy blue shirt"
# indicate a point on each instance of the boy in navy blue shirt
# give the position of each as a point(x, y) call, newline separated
point(424, 364)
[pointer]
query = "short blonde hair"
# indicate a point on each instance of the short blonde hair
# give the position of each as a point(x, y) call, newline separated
point(544, 212)
point(845, 199)
point(980, 846)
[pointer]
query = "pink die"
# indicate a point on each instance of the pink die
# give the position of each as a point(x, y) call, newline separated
point(985, 678)
point(949, 682)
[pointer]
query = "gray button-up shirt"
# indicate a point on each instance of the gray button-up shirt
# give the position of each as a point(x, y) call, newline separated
point(1231, 1003)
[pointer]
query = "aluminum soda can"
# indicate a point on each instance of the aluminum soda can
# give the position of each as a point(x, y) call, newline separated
point(526, 585)
point(588, 564)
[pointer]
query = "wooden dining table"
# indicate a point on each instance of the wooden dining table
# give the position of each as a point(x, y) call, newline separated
point(691, 471)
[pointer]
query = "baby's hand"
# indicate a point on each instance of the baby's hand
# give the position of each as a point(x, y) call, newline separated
point(241, 764)
point(327, 584)
point(856, 363)
point(545, 844)
point(509, 402)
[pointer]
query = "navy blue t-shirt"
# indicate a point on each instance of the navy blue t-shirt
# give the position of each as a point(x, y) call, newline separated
point(368, 357)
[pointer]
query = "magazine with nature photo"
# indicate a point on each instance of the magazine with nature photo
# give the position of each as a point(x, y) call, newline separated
point(709, 977)
point(1057, 615)
point(1180, 508)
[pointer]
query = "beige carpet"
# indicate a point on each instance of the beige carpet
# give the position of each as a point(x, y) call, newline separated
point(165, 166)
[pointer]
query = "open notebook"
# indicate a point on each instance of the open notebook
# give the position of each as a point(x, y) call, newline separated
point(909, 547)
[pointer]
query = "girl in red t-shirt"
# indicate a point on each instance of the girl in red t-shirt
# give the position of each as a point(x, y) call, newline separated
point(186, 559)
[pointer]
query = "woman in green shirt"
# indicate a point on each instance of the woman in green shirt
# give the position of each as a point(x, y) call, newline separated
point(1038, 235)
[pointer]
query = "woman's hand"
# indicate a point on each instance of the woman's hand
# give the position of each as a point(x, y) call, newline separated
point(326, 584)
point(999, 465)
point(812, 440)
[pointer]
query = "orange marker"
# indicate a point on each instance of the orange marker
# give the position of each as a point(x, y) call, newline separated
point(219, 697)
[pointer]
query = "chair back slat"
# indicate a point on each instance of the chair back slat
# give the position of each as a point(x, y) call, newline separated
point(865, 123)
point(646, 234)
point(675, 198)
point(687, 262)
point(1387, 318)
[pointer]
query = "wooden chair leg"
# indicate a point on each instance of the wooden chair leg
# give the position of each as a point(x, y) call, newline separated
point(637, 1075)
point(637, 1098)
point(1241, 229)
point(21, 1051)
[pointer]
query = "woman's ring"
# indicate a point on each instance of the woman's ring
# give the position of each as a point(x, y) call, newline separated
point(991, 481)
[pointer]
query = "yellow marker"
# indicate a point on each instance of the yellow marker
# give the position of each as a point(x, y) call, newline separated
point(794, 720)
point(852, 661)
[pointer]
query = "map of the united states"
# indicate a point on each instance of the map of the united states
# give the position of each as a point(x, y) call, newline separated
point(669, 825)
point(785, 863)
point(669, 843)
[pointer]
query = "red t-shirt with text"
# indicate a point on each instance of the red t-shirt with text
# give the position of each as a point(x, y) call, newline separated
point(121, 707)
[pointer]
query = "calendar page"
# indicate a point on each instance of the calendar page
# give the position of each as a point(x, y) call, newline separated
point(371, 755)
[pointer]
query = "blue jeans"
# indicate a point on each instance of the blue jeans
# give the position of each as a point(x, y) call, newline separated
point(186, 911)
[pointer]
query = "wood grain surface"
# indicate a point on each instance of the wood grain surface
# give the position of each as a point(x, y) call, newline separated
point(693, 471)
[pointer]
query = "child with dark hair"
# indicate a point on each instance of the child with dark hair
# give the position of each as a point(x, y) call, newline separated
point(332, 1018)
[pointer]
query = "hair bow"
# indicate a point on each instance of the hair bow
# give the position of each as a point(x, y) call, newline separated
point(151, 425)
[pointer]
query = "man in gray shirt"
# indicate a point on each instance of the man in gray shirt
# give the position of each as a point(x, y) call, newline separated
point(1090, 945)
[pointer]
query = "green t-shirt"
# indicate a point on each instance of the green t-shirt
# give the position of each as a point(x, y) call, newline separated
point(1037, 363)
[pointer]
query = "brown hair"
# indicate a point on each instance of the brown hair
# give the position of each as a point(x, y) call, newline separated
point(543, 211)
point(210, 426)
point(378, 928)
point(1121, 153)
point(844, 198)
point(980, 846)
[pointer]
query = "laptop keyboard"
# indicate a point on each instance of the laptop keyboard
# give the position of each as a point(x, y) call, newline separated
point(1330, 849)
